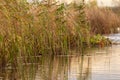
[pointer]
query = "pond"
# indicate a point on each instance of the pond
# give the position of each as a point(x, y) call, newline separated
point(114, 38)
point(95, 64)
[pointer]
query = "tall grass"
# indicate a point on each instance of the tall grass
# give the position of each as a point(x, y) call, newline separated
point(33, 29)
point(102, 20)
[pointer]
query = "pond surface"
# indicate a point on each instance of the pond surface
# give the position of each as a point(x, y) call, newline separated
point(114, 38)
point(95, 64)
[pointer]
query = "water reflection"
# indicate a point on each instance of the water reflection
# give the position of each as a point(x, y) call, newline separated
point(64, 68)
point(96, 64)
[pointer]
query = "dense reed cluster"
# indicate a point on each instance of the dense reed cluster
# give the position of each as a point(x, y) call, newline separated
point(29, 30)
point(33, 29)
point(103, 20)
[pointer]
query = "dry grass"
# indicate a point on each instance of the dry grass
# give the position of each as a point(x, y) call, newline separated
point(102, 20)
point(28, 30)
point(35, 29)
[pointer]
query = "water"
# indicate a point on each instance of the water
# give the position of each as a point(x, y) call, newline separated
point(115, 38)
point(95, 64)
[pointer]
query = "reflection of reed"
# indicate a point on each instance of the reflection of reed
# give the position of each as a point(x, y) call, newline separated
point(8, 71)
point(2, 66)
point(15, 70)
point(50, 68)
point(82, 67)
point(64, 68)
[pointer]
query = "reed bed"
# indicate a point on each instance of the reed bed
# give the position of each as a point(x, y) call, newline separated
point(102, 20)
point(29, 30)
point(34, 29)
point(37, 28)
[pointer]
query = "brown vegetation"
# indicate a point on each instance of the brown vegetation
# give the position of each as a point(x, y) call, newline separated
point(102, 20)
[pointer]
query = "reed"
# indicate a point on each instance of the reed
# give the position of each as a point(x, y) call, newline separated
point(28, 30)
point(102, 20)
